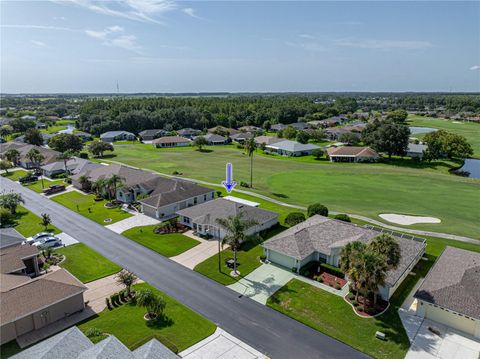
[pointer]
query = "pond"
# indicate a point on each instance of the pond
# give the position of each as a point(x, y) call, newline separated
point(472, 166)
point(416, 130)
point(69, 129)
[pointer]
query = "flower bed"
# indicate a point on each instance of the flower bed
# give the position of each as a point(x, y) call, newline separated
point(324, 274)
point(330, 280)
point(371, 309)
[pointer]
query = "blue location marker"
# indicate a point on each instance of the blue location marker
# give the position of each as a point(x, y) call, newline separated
point(228, 183)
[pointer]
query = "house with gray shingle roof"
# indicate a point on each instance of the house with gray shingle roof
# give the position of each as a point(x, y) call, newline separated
point(112, 136)
point(214, 139)
point(321, 239)
point(73, 344)
point(450, 293)
point(291, 148)
point(203, 217)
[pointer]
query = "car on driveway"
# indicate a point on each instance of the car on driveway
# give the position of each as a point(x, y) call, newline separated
point(37, 237)
point(48, 242)
point(54, 189)
point(28, 178)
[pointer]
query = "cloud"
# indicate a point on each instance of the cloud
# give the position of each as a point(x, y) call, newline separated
point(38, 27)
point(114, 36)
point(136, 10)
point(384, 44)
point(37, 43)
point(475, 68)
point(306, 36)
point(191, 12)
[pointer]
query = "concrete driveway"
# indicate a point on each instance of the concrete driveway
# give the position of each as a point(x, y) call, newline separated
point(197, 254)
point(450, 344)
point(137, 220)
point(263, 282)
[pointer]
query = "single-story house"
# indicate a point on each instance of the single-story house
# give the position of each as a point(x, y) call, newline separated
point(171, 141)
point(352, 154)
point(356, 126)
point(450, 293)
point(74, 165)
point(84, 136)
point(40, 125)
point(250, 129)
point(112, 136)
point(278, 127)
point(334, 133)
point(267, 140)
point(415, 150)
point(298, 125)
point(45, 137)
point(29, 118)
point(214, 139)
point(73, 344)
point(223, 131)
point(23, 148)
point(333, 121)
point(150, 135)
point(28, 304)
point(203, 217)
point(291, 148)
point(188, 132)
point(321, 239)
point(241, 137)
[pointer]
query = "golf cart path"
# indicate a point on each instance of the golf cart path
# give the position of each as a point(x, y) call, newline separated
point(356, 216)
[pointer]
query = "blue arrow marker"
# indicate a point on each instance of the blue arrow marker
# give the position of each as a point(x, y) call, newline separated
point(228, 183)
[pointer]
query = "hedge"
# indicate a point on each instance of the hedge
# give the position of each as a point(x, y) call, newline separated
point(332, 270)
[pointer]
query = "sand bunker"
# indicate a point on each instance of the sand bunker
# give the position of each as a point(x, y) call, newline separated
point(406, 220)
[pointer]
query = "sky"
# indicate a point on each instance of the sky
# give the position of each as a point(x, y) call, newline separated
point(87, 46)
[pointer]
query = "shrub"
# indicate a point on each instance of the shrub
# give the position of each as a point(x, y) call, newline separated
point(318, 153)
point(294, 269)
point(294, 218)
point(175, 173)
point(332, 270)
point(351, 296)
point(317, 208)
point(354, 303)
point(93, 332)
point(320, 279)
point(107, 302)
point(244, 184)
point(263, 257)
point(6, 217)
point(83, 155)
point(239, 146)
point(219, 193)
point(338, 286)
point(342, 217)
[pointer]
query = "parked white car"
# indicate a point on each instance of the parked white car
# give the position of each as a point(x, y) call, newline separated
point(38, 237)
point(48, 242)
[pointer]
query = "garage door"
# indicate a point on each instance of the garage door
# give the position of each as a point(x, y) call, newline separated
point(450, 319)
point(281, 259)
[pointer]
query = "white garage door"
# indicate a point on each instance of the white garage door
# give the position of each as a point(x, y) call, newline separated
point(450, 319)
point(281, 259)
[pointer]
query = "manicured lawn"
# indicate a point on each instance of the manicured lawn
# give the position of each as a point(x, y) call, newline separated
point(167, 245)
point(37, 186)
point(182, 329)
point(331, 315)
point(86, 206)
point(64, 122)
point(470, 130)
point(248, 259)
point(53, 129)
point(15, 175)
point(29, 223)
point(365, 189)
point(86, 264)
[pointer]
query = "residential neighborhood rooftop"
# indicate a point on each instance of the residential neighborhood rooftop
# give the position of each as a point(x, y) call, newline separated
point(171, 139)
point(292, 146)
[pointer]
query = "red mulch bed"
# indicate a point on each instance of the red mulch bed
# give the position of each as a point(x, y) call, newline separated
point(331, 280)
point(372, 310)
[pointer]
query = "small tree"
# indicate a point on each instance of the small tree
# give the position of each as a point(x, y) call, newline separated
point(5, 166)
point(33, 137)
point(6, 217)
point(199, 142)
point(289, 133)
point(302, 137)
point(97, 148)
point(317, 208)
point(127, 279)
point(349, 138)
point(154, 303)
point(11, 201)
point(317, 153)
point(294, 218)
point(343, 217)
point(12, 155)
point(46, 220)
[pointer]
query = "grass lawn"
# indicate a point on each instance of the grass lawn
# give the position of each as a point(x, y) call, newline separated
point(37, 186)
point(86, 206)
point(15, 175)
point(331, 315)
point(9, 349)
point(365, 189)
point(182, 329)
point(470, 130)
point(86, 264)
point(64, 122)
point(167, 245)
point(53, 129)
point(29, 223)
point(248, 259)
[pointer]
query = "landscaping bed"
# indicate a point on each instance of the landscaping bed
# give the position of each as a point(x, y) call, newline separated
point(324, 273)
point(366, 307)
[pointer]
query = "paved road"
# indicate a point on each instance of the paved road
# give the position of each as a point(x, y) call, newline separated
point(362, 218)
point(261, 327)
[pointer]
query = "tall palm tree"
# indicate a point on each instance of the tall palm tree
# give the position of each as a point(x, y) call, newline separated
point(12, 155)
point(85, 182)
point(36, 158)
point(113, 182)
point(99, 186)
point(349, 257)
point(374, 271)
point(65, 157)
point(236, 228)
point(250, 147)
point(387, 246)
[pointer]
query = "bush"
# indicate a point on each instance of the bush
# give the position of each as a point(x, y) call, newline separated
point(354, 303)
point(294, 218)
point(6, 217)
point(343, 217)
point(332, 270)
point(93, 332)
point(294, 269)
point(310, 267)
point(351, 296)
point(83, 155)
point(338, 286)
point(219, 193)
point(244, 184)
point(317, 208)
point(263, 258)
point(318, 153)
point(320, 279)
point(107, 302)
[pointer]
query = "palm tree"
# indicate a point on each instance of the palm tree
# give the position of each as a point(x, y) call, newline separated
point(35, 157)
point(65, 157)
point(46, 220)
point(250, 147)
point(388, 247)
point(85, 182)
point(154, 303)
point(349, 257)
point(12, 155)
point(236, 228)
point(127, 279)
point(373, 273)
point(113, 183)
point(99, 186)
